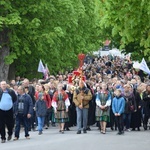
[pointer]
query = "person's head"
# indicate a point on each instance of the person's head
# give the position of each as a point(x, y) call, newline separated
point(41, 96)
point(117, 92)
point(21, 90)
point(127, 87)
point(81, 83)
point(59, 86)
point(148, 88)
point(104, 86)
point(26, 89)
point(41, 88)
point(25, 82)
point(3, 85)
point(46, 86)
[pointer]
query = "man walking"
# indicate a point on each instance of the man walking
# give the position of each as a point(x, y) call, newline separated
point(7, 98)
point(23, 111)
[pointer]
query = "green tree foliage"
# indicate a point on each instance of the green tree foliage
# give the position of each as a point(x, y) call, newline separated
point(129, 22)
point(52, 30)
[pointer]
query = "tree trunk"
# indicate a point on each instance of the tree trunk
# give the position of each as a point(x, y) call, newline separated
point(4, 51)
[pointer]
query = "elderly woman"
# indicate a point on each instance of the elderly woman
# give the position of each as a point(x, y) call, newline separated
point(130, 105)
point(60, 103)
point(103, 102)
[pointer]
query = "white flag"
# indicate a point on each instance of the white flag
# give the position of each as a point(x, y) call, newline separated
point(144, 67)
point(41, 67)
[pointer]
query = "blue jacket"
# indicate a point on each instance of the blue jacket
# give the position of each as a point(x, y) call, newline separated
point(118, 105)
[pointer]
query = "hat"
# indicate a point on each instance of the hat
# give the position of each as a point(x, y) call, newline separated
point(40, 95)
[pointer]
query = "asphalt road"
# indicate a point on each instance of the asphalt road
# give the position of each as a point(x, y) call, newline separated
point(51, 139)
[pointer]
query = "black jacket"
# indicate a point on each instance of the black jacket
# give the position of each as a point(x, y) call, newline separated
point(28, 105)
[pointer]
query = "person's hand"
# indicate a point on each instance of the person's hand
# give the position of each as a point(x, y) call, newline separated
point(80, 106)
point(102, 107)
point(28, 115)
point(116, 114)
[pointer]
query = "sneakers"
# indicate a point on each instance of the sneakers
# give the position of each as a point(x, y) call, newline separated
point(3, 141)
point(9, 138)
point(79, 132)
point(84, 131)
point(27, 137)
point(15, 139)
point(40, 132)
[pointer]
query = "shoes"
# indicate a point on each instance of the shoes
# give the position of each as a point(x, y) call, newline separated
point(84, 131)
point(40, 132)
point(139, 129)
point(62, 131)
point(133, 129)
point(9, 138)
point(119, 133)
point(112, 128)
point(145, 127)
point(67, 129)
point(88, 128)
point(3, 141)
point(15, 139)
point(79, 132)
point(53, 125)
point(27, 137)
point(128, 130)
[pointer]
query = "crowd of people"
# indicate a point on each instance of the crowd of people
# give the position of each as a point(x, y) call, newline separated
point(113, 94)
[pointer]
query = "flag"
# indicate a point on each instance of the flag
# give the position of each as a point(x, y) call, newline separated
point(46, 72)
point(144, 67)
point(47, 69)
point(136, 65)
point(41, 67)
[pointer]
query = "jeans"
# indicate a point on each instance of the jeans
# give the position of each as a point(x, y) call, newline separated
point(127, 120)
point(82, 117)
point(21, 119)
point(40, 123)
point(119, 121)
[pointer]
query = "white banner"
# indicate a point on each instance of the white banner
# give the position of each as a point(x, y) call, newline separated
point(144, 67)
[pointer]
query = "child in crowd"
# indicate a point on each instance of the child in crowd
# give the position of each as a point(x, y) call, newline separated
point(40, 108)
point(118, 106)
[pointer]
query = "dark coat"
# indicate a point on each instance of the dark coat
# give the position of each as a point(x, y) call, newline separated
point(136, 117)
point(146, 104)
point(28, 105)
point(40, 108)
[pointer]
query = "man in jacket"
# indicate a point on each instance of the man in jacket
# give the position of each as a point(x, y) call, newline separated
point(81, 98)
point(7, 98)
point(23, 111)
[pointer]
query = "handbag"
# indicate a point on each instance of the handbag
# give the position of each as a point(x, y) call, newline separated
point(131, 107)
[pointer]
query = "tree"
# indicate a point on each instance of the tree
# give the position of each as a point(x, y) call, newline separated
point(55, 31)
point(129, 21)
